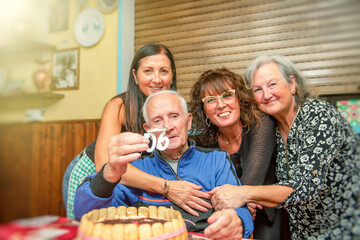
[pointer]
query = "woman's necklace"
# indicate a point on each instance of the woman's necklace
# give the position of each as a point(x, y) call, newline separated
point(228, 142)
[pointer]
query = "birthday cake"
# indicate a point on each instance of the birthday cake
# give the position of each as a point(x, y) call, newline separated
point(131, 223)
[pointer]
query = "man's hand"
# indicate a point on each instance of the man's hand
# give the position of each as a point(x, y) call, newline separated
point(252, 208)
point(123, 148)
point(188, 196)
point(224, 224)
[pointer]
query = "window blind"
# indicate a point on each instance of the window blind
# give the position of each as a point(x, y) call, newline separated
point(322, 37)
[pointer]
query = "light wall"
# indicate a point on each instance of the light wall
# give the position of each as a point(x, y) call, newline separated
point(98, 69)
point(126, 39)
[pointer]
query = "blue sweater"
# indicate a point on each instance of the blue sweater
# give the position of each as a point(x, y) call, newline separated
point(208, 168)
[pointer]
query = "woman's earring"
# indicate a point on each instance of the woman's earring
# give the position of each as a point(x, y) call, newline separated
point(136, 83)
point(207, 122)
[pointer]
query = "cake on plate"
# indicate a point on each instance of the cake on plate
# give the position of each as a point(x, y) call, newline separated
point(131, 223)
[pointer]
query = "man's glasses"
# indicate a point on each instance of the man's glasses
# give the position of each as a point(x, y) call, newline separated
point(227, 97)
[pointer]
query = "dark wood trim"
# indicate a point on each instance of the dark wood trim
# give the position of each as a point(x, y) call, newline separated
point(33, 160)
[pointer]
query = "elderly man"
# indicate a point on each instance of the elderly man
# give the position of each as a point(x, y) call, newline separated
point(208, 168)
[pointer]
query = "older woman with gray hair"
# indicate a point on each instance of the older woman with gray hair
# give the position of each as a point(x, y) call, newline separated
point(318, 159)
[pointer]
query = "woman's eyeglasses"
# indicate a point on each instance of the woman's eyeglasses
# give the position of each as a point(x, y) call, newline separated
point(227, 97)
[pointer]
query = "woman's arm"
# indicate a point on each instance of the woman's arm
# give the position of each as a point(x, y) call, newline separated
point(113, 118)
point(185, 194)
point(229, 196)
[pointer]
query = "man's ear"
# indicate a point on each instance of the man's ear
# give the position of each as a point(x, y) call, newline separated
point(146, 127)
point(189, 117)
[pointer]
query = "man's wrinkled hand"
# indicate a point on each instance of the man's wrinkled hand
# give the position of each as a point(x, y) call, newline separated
point(188, 196)
point(252, 208)
point(123, 149)
point(224, 224)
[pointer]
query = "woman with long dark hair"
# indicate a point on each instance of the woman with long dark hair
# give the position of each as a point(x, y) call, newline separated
point(152, 70)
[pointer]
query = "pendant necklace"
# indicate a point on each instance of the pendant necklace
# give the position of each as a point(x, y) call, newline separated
point(228, 142)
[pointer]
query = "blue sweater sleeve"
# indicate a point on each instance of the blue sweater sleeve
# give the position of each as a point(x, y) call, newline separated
point(227, 175)
point(96, 192)
point(245, 216)
point(86, 201)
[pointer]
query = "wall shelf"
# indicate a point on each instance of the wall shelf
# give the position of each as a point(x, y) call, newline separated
point(32, 96)
point(34, 104)
point(25, 45)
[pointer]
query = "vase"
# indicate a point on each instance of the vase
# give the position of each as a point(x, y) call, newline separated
point(42, 78)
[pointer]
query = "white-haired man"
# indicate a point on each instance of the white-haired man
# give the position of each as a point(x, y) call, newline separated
point(208, 168)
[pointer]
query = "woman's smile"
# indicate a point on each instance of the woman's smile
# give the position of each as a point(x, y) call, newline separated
point(224, 114)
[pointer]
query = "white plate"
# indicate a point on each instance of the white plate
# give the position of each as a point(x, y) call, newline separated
point(107, 6)
point(89, 27)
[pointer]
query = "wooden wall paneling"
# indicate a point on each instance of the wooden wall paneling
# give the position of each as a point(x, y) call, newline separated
point(70, 154)
point(39, 170)
point(21, 147)
point(79, 134)
point(14, 171)
point(57, 159)
point(48, 172)
point(69, 144)
point(4, 172)
point(33, 160)
point(18, 170)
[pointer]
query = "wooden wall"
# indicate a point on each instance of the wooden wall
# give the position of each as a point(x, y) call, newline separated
point(33, 160)
point(321, 36)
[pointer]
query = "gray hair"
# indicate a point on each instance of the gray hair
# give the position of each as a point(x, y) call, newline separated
point(182, 102)
point(287, 69)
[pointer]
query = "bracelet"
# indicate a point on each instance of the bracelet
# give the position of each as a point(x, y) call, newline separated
point(166, 187)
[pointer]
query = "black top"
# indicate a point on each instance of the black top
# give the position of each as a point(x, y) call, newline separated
point(256, 158)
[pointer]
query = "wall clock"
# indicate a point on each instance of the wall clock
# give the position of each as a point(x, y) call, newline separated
point(89, 27)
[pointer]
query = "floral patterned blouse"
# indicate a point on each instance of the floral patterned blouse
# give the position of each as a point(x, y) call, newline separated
point(321, 162)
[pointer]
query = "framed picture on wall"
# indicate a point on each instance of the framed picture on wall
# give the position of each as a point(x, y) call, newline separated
point(65, 71)
point(58, 19)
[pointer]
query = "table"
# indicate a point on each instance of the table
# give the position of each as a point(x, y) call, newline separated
point(49, 227)
point(43, 227)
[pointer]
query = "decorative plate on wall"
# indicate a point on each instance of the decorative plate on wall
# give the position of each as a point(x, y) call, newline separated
point(107, 6)
point(89, 27)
